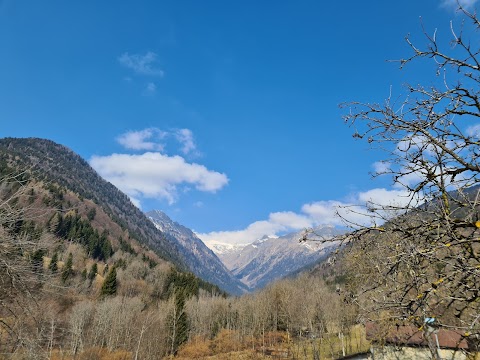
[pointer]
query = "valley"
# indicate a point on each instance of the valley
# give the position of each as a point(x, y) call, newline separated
point(239, 180)
point(144, 286)
point(248, 266)
point(106, 273)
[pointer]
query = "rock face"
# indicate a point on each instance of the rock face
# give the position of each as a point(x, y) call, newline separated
point(199, 258)
point(271, 258)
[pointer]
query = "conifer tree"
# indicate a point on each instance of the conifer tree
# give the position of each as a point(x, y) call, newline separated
point(91, 214)
point(53, 267)
point(109, 286)
point(68, 269)
point(178, 321)
point(182, 323)
point(93, 272)
point(37, 260)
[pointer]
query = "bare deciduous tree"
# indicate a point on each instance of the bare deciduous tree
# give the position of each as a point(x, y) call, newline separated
point(420, 257)
point(79, 319)
point(21, 263)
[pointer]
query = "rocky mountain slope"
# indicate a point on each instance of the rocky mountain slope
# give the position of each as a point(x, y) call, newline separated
point(75, 200)
point(71, 202)
point(200, 259)
point(271, 258)
point(53, 163)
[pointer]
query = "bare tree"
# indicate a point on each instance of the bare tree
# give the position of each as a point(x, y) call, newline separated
point(419, 258)
point(21, 263)
point(79, 320)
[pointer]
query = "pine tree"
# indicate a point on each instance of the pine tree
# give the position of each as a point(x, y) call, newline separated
point(178, 322)
point(91, 214)
point(109, 286)
point(68, 269)
point(182, 323)
point(53, 267)
point(37, 260)
point(93, 272)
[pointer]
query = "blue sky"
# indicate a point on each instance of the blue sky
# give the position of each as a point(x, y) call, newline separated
point(223, 114)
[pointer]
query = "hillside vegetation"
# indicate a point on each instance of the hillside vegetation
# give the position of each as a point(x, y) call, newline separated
point(67, 247)
point(59, 170)
point(85, 275)
point(79, 282)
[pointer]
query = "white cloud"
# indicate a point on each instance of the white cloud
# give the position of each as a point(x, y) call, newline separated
point(277, 222)
point(418, 159)
point(290, 220)
point(141, 140)
point(248, 235)
point(410, 178)
point(416, 143)
point(185, 138)
point(340, 213)
point(454, 3)
point(332, 212)
point(381, 167)
point(358, 209)
point(141, 64)
point(135, 202)
point(154, 139)
point(154, 175)
point(410, 171)
point(325, 212)
point(384, 197)
point(474, 131)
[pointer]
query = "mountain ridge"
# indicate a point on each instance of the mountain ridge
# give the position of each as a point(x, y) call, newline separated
point(273, 257)
point(76, 205)
point(202, 261)
point(56, 163)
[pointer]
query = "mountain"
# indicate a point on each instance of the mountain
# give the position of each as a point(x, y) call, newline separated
point(271, 258)
point(78, 205)
point(53, 163)
point(68, 200)
point(200, 259)
point(224, 249)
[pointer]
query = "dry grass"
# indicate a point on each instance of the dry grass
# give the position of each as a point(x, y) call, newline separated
point(226, 347)
point(234, 355)
point(94, 354)
point(330, 345)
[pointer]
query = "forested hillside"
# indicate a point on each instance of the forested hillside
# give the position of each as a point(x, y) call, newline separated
point(67, 246)
point(69, 290)
point(59, 169)
point(85, 275)
point(200, 259)
point(80, 278)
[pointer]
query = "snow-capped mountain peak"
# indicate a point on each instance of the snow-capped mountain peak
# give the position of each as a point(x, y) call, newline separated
point(201, 260)
point(272, 257)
